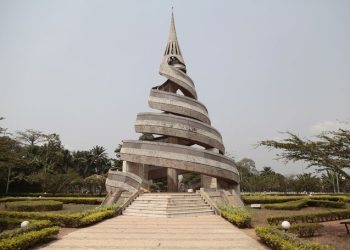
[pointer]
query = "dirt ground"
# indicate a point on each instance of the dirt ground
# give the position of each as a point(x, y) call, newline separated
point(333, 233)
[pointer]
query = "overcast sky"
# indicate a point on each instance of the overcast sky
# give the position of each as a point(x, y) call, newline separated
point(83, 69)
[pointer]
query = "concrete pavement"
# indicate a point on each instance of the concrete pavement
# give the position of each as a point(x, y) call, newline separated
point(131, 232)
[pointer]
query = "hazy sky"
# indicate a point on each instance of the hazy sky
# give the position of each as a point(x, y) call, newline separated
point(83, 69)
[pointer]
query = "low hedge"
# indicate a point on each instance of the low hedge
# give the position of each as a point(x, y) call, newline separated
point(28, 239)
point(279, 240)
point(64, 200)
point(304, 229)
point(12, 226)
point(289, 205)
point(269, 199)
point(30, 205)
point(238, 216)
point(52, 195)
point(67, 220)
point(95, 217)
point(326, 203)
point(312, 217)
point(298, 204)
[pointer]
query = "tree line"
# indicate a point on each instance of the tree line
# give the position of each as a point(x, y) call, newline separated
point(32, 161)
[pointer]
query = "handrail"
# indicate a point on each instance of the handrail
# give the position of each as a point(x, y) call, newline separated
point(129, 200)
point(206, 198)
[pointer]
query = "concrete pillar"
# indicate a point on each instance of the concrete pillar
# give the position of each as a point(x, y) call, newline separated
point(172, 180)
point(236, 189)
point(124, 168)
point(132, 167)
point(208, 181)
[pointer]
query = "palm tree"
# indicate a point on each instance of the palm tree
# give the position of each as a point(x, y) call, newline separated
point(99, 159)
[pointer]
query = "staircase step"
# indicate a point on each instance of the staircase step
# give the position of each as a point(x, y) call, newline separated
point(168, 205)
point(192, 213)
point(167, 209)
point(189, 206)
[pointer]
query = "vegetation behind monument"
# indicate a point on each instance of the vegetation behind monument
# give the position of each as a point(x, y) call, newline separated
point(31, 161)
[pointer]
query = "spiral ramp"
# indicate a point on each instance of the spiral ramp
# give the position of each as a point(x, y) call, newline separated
point(184, 140)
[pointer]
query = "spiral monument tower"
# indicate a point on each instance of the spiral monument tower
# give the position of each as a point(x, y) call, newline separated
point(183, 139)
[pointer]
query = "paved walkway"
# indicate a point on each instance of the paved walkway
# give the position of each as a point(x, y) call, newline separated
point(131, 232)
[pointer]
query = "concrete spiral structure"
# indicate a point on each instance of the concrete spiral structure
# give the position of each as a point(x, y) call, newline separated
point(183, 123)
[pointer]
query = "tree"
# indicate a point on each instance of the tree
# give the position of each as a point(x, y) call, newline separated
point(329, 152)
point(99, 160)
point(246, 168)
point(307, 182)
point(11, 157)
point(30, 137)
point(118, 163)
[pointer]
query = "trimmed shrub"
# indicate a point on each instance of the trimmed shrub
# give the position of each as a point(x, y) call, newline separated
point(326, 203)
point(298, 204)
point(238, 216)
point(312, 217)
point(270, 199)
point(28, 239)
point(289, 205)
point(64, 200)
point(67, 220)
point(279, 240)
point(95, 217)
point(13, 226)
point(43, 205)
point(52, 195)
point(305, 229)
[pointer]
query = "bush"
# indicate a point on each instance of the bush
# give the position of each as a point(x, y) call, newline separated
point(28, 239)
point(43, 205)
point(269, 199)
point(35, 195)
point(238, 216)
point(326, 203)
point(64, 200)
point(67, 220)
point(298, 204)
point(95, 217)
point(289, 205)
point(305, 229)
point(312, 217)
point(279, 240)
point(13, 226)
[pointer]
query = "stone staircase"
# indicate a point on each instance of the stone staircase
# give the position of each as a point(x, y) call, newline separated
point(168, 205)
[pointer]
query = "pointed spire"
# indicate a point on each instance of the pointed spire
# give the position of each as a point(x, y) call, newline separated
point(173, 48)
point(172, 31)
